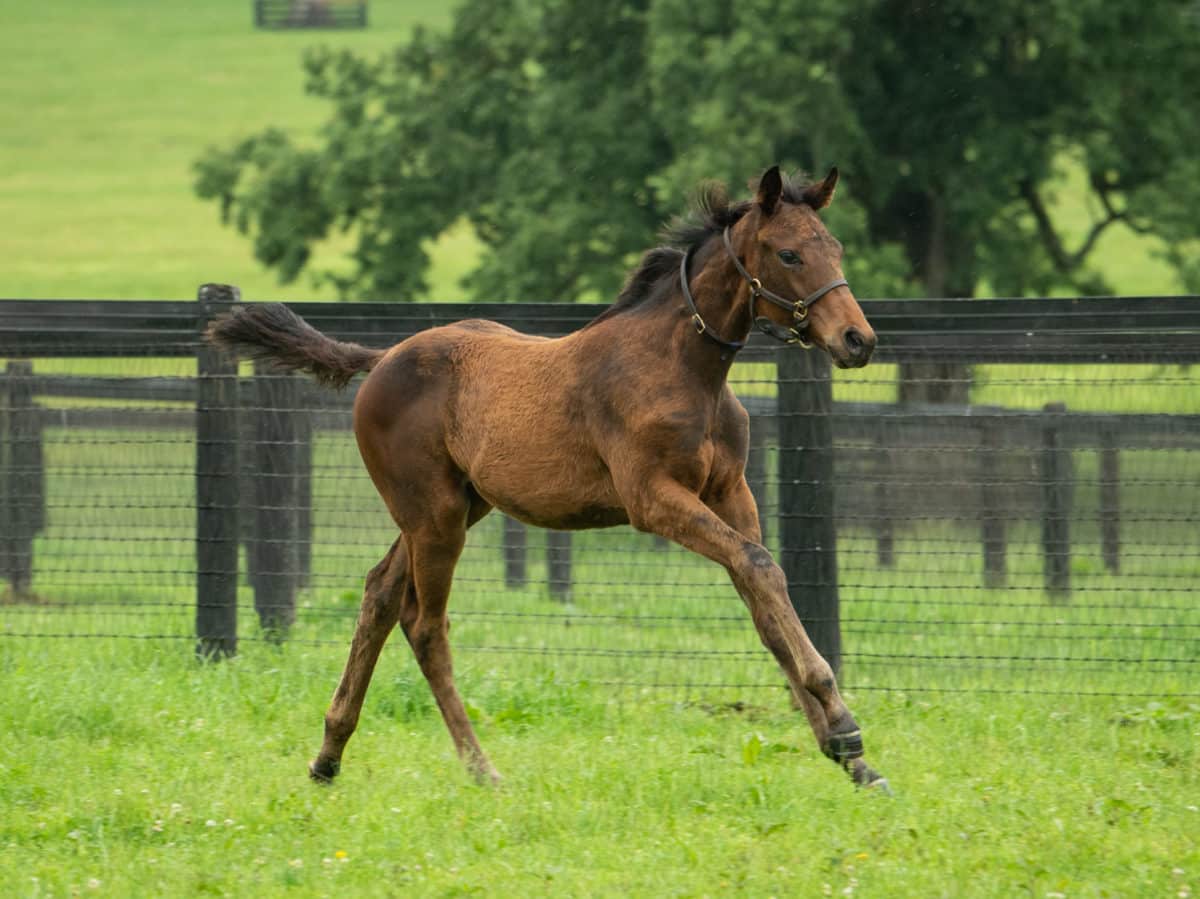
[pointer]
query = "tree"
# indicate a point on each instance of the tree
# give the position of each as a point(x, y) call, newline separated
point(566, 131)
point(950, 118)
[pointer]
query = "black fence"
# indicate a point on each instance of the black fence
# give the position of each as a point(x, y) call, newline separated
point(310, 13)
point(1040, 536)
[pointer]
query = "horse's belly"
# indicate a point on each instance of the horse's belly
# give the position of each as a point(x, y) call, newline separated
point(561, 519)
point(560, 487)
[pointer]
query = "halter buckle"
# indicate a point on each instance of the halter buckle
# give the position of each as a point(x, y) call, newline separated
point(699, 323)
point(756, 287)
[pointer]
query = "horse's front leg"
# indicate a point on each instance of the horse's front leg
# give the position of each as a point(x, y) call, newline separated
point(738, 509)
point(667, 508)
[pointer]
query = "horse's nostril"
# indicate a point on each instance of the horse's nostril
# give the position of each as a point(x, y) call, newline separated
point(858, 346)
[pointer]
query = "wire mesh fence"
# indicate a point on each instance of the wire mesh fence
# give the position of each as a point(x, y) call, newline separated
point(1036, 533)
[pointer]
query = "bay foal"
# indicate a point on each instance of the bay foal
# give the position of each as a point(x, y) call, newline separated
point(628, 420)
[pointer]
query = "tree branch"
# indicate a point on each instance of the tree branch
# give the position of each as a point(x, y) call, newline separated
point(1065, 261)
point(1103, 188)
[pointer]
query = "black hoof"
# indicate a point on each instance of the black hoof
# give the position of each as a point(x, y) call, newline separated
point(323, 771)
point(867, 778)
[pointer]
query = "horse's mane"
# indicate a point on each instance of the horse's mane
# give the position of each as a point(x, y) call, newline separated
point(711, 214)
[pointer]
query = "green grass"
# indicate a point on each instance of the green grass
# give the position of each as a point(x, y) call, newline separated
point(106, 108)
point(180, 779)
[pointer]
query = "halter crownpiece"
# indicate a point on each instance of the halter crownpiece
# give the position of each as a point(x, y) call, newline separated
point(795, 333)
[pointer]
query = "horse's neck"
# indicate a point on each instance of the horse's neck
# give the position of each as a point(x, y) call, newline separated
point(685, 355)
point(722, 298)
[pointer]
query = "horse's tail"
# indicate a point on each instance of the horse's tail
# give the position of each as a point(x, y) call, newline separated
point(272, 331)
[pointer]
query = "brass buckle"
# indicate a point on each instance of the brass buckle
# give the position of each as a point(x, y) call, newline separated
point(799, 316)
point(699, 323)
point(756, 287)
point(798, 338)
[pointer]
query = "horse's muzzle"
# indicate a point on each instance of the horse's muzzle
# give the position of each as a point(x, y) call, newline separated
point(855, 349)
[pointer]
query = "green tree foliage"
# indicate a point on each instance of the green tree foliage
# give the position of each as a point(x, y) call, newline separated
point(566, 131)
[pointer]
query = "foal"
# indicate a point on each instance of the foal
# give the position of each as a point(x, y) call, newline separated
point(628, 420)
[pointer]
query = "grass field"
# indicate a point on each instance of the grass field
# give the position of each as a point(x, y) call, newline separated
point(180, 780)
point(106, 107)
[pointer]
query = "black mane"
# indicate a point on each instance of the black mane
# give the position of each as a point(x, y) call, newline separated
point(713, 212)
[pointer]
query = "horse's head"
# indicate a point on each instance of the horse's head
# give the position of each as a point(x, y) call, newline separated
point(794, 267)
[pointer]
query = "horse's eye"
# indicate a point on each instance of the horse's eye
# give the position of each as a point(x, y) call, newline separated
point(790, 257)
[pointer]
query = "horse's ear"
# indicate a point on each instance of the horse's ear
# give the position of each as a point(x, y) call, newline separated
point(818, 196)
point(769, 189)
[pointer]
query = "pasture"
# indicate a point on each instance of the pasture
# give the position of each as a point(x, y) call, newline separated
point(177, 779)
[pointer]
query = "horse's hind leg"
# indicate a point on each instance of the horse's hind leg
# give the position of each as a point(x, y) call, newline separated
point(435, 553)
point(388, 596)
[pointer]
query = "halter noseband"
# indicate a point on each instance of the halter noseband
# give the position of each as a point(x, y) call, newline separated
point(795, 333)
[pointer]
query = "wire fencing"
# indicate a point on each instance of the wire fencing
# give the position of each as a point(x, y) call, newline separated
point(1034, 530)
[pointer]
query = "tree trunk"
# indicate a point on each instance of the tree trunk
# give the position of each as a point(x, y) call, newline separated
point(946, 267)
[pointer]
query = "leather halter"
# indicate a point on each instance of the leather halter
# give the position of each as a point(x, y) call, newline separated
point(795, 333)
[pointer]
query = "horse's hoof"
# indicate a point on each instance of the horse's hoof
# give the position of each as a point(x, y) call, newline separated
point(323, 771)
point(879, 786)
point(488, 777)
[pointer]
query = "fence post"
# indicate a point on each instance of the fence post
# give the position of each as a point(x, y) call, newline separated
point(24, 479)
point(808, 531)
point(1057, 490)
point(514, 553)
point(558, 564)
point(992, 522)
point(216, 485)
point(1110, 500)
point(276, 502)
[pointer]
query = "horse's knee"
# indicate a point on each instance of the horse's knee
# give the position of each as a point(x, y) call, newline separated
point(755, 568)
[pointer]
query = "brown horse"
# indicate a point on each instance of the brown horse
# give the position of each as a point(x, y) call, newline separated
point(628, 420)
